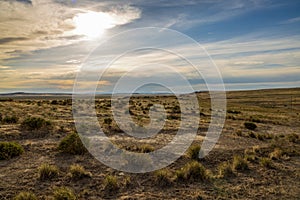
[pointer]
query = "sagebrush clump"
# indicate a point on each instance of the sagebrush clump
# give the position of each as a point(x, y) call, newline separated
point(239, 163)
point(163, 177)
point(78, 172)
point(250, 126)
point(111, 183)
point(192, 171)
point(72, 144)
point(9, 150)
point(193, 152)
point(25, 196)
point(47, 171)
point(35, 123)
point(63, 193)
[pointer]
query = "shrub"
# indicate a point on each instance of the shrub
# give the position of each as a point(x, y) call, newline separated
point(239, 163)
point(193, 171)
point(0, 117)
point(250, 125)
point(77, 172)
point(266, 162)
point(233, 111)
point(25, 196)
point(225, 170)
point(72, 144)
point(163, 177)
point(111, 183)
point(47, 171)
point(146, 148)
point(276, 154)
point(10, 120)
point(35, 123)
point(108, 121)
point(64, 193)
point(193, 152)
point(9, 150)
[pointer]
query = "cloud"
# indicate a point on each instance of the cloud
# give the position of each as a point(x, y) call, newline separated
point(28, 26)
point(291, 21)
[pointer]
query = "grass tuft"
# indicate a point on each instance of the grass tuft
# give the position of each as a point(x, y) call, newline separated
point(239, 163)
point(47, 171)
point(163, 177)
point(78, 172)
point(193, 152)
point(63, 193)
point(72, 144)
point(9, 150)
point(25, 196)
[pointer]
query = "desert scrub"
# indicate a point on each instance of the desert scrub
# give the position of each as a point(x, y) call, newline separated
point(250, 126)
point(225, 170)
point(35, 123)
point(163, 177)
point(47, 171)
point(72, 144)
point(276, 154)
point(78, 172)
point(111, 183)
point(10, 119)
point(25, 196)
point(266, 162)
point(146, 148)
point(63, 193)
point(9, 150)
point(239, 163)
point(193, 152)
point(192, 171)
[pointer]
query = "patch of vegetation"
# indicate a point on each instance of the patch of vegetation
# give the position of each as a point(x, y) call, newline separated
point(250, 125)
point(239, 163)
point(163, 177)
point(108, 121)
point(10, 120)
point(192, 171)
point(146, 148)
point(9, 150)
point(233, 111)
point(35, 123)
point(111, 183)
point(225, 170)
point(25, 196)
point(47, 171)
point(78, 172)
point(276, 154)
point(193, 152)
point(266, 162)
point(63, 193)
point(72, 144)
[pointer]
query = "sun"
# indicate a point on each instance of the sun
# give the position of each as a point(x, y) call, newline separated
point(92, 24)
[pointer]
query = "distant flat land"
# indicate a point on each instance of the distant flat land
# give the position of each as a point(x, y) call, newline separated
point(271, 151)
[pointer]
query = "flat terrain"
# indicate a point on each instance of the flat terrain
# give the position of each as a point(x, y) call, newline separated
point(271, 151)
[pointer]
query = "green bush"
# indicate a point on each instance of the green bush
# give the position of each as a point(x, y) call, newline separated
point(35, 123)
point(72, 144)
point(47, 171)
point(193, 152)
point(77, 172)
point(111, 183)
point(225, 170)
point(266, 162)
point(9, 150)
point(10, 119)
point(163, 177)
point(250, 125)
point(25, 196)
point(192, 171)
point(239, 163)
point(64, 193)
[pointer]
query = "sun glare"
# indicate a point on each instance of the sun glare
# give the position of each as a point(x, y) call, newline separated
point(93, 24)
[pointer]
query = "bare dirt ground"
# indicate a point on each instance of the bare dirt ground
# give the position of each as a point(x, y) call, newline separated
point(276, 114)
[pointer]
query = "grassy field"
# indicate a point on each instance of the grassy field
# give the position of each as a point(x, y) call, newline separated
point(256, 157)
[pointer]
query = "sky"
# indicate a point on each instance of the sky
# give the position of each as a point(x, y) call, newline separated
point(45, 44)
